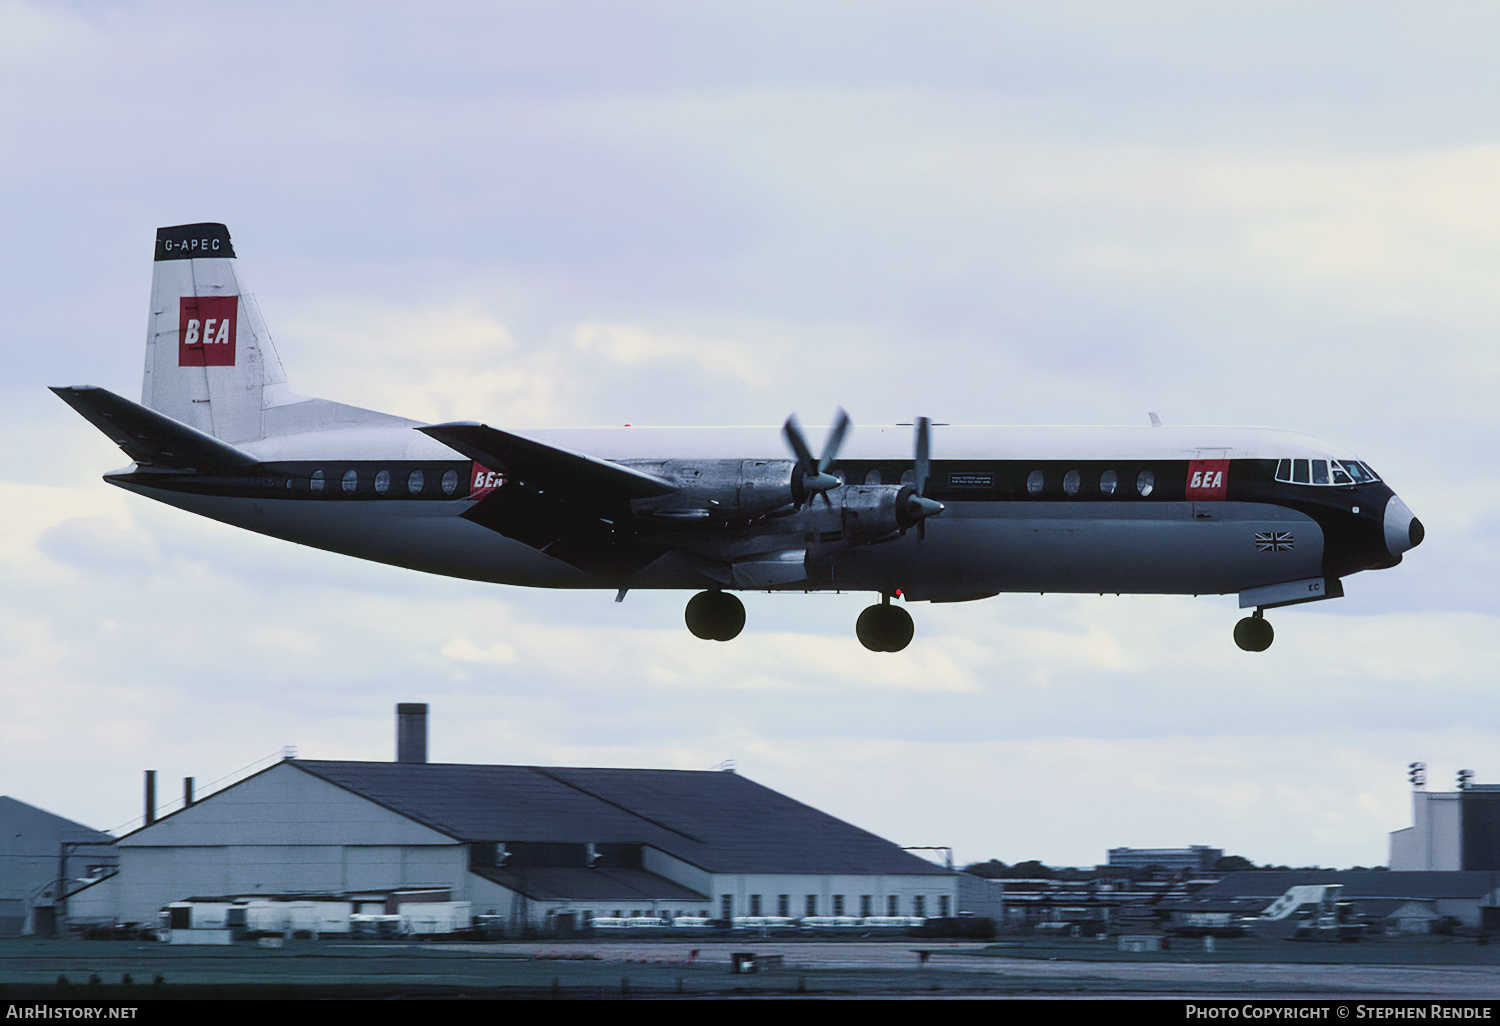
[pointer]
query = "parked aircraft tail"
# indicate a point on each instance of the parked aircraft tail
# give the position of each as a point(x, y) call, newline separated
point(210, 361)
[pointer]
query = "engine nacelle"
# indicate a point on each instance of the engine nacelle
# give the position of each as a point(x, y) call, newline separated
point(719, 491)
point(876, 513)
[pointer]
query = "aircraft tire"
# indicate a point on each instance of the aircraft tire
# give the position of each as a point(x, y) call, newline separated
point(699, 615)
point(884, 628)
point(729, 617)
point(715, 616)
point(1254, 634)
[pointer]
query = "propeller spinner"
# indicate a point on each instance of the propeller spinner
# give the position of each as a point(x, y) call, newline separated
point(815, 478)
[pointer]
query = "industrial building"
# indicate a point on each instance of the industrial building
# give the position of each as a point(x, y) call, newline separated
point(1451, 830)
point(42, 854)
point(537, 847)
point(1198, 858)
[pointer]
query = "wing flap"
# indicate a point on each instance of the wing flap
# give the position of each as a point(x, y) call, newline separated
point(149, 438)
point(547, 467)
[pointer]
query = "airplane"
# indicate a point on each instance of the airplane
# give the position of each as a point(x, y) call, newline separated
point(920, 512)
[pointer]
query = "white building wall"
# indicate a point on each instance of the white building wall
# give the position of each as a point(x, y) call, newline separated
point(284, 805)
point(282, 832)
point(676, 870)
point(1406, 853)
point(825, 888)
point(1434, 841)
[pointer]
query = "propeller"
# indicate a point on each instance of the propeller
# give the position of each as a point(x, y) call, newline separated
point(816, 480)
point(918, 507)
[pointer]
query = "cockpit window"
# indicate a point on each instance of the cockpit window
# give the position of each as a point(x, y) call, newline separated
point(1324, 472)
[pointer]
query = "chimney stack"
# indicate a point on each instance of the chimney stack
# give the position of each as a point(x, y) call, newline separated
point(187, 792)
point(150, 797)
point(411, 732)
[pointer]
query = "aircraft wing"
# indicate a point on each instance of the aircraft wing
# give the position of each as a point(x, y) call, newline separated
point(548, 468)
point(152, 439)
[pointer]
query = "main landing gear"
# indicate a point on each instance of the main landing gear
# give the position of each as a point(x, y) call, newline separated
point(884, 628)
point(1254, 633)
point(719, 616)
point(715, 616)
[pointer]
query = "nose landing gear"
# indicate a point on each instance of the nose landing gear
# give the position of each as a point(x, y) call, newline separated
point(715, 616)
point(1254, 633)
point(884, 628)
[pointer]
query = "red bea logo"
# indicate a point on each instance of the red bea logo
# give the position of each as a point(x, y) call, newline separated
point(206, 331)
point(483, 480)
point(1207, 479)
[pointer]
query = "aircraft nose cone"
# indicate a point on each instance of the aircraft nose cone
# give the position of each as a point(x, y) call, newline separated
point(1403, 531)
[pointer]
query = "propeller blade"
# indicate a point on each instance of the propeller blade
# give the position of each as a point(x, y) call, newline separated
point(798, 443)
point(814, 476)
point(836, 433)
point(923, 468)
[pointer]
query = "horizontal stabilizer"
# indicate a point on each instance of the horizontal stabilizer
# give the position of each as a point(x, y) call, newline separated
point(546, 467)
point(149, 438)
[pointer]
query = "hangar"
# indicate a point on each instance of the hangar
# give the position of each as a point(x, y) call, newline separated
point(537, 846)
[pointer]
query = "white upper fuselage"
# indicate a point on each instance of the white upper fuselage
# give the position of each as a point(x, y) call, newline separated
point(877, 442)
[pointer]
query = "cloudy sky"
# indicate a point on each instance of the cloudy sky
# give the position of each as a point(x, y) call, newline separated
point(540, 214)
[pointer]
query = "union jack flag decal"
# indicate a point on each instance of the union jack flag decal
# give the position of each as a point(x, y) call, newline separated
point(1272, 541)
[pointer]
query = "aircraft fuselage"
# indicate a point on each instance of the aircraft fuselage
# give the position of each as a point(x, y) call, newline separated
point(1131, 523)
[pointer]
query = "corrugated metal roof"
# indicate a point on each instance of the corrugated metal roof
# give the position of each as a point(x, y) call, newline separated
point(552, 883)
point(717, 821)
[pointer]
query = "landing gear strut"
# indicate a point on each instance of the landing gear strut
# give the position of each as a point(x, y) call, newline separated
point(715, 616)
point(884, 628)
point(1254, 633)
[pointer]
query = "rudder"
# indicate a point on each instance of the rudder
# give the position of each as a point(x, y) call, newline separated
point(209, 357)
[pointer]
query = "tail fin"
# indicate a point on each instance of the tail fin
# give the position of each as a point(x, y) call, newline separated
point(210, 362)
point(209, 358)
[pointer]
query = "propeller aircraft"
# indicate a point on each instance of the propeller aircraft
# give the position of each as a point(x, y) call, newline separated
point(1274, 517)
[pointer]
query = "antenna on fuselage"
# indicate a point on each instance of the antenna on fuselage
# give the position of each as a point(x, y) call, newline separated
point(1155, 420)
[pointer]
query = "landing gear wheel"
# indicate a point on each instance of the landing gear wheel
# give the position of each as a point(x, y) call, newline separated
point(715, 616)
point(884, 628)
point(1254, 633)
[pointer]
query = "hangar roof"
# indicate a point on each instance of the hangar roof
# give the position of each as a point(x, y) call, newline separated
point(544, 883)
point(717, 821)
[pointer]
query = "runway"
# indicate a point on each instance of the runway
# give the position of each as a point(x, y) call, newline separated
point(32, 967)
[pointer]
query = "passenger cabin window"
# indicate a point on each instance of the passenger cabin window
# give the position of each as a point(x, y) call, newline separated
point(316, 482)
point(1034, 482)
point(414, 483)
point(1108, 481)
point(1145, 483)
point(382, 482)
point(450, 482)
point(1072, 481)
point(351, 481)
